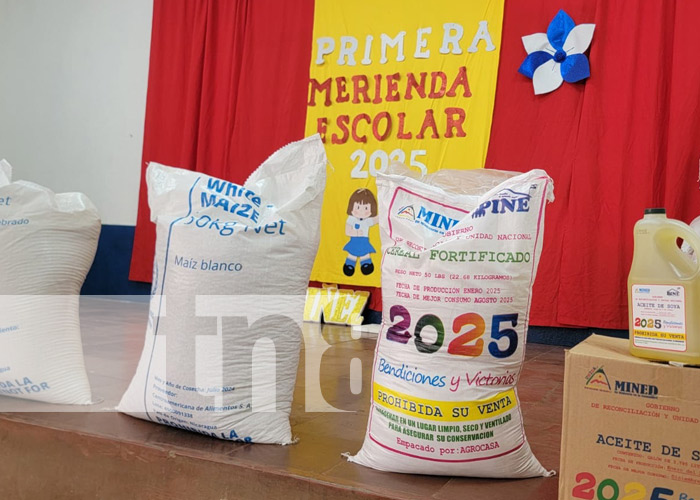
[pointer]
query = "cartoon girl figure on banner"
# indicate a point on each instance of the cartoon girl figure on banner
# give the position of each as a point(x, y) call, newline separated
point(362, 214)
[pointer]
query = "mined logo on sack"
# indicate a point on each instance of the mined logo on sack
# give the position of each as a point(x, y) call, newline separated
point(597, 380)
point(504, 201)
point(435, 221)
point(407, 212)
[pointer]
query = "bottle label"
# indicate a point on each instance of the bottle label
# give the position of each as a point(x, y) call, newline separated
point(658, 312)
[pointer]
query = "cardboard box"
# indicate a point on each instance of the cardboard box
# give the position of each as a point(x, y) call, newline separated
point(631, 427)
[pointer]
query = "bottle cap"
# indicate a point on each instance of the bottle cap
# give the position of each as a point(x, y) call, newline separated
point(654, 211)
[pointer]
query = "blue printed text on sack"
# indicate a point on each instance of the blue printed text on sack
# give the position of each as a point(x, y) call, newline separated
point(20, 386)
point(231, 198)
point(227, 228)
point(404, 372)
point(435, 221)
point(14, 222)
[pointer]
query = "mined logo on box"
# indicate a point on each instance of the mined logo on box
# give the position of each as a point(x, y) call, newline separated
point(597, 380)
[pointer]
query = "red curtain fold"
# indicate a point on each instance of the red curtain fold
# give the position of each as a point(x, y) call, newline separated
point(228, 86)
point(530, 131)
point(625, 140)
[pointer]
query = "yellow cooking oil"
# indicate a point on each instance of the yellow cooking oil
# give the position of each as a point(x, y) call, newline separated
point(664, 291)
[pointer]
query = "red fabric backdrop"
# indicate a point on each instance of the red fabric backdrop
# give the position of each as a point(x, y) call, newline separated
point(625, 140)
point(228, 86)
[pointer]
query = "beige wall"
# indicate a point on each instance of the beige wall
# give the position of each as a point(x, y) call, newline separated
point(73, 78)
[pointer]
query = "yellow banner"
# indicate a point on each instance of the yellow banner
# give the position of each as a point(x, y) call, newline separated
point(404, 81)
point(445, 411)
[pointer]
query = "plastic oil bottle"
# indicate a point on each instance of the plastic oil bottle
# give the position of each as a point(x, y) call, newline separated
point(664, 291)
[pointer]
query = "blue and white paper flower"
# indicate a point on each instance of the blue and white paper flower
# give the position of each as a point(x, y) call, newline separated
point(557, 56)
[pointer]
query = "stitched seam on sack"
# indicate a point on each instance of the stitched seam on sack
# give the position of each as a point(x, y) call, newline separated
point(162, 287)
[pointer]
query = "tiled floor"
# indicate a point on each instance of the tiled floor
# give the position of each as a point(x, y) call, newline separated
point(103, 454)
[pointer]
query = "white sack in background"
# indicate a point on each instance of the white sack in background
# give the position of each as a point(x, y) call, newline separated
point(460, 251)
point(47, 245)
point(231, 270)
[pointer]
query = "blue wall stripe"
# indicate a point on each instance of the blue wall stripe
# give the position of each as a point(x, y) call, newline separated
point(109, 274)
